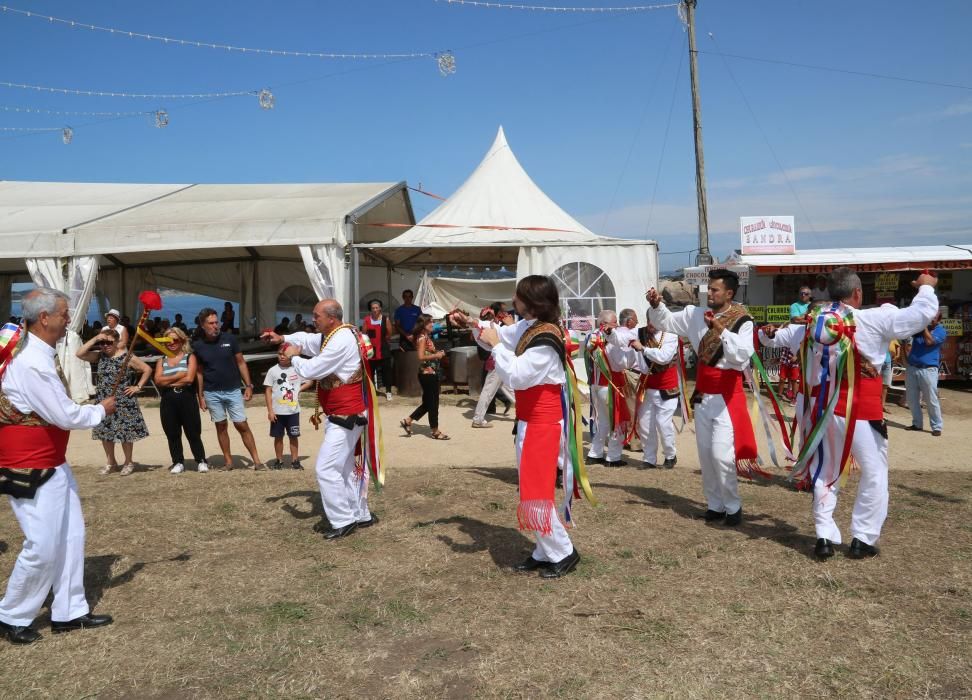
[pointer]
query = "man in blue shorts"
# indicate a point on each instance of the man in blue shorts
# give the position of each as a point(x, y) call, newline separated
point(221, 368)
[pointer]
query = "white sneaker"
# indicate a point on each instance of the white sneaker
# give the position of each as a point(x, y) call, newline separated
point(177, 468)
point(387, 396)
point(202, 468)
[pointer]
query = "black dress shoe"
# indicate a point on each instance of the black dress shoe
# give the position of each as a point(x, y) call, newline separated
point(713, 515)
point(824, 549)
point(82, 622)
point(530, 564)
point(615, 463)
point(594, 460)
point(338, 532)
point(373, 520)
point(670, 463)
point(913, 427)
point(648, 465)
point(562, 567)
point(19, 635)
point(733, 519)
point(859, 550)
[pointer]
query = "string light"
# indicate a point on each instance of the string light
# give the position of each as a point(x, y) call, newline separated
point(134, 95)
point(71, 113)
point(266, 98)
point(67, 133)
point(547, 8)
point(161, 119)
point(447, 63)
point(222, 47)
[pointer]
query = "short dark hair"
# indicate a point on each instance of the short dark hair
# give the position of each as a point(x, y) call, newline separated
point(205, 313)
point(408, 291)
point(497, 306)
point(539, 295)
point(728, 277)
point(376, 301)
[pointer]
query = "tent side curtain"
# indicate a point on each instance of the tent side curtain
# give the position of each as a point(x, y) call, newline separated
point(632, 268)
point(438, 296)
point(325, 268)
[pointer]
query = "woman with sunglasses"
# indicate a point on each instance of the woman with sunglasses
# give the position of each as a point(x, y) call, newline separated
point(126, 425)
point(179, 410)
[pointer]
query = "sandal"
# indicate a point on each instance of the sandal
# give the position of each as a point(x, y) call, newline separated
point(107, 469)
point(127, 469)
point(439, 435)
point(406, 426)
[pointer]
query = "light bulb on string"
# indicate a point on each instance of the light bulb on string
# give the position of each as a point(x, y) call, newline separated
point(67, 134)
point(446, 62)
point(266, 98)
point(161, 119)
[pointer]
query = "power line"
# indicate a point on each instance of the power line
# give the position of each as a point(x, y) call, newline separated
point(846, 71)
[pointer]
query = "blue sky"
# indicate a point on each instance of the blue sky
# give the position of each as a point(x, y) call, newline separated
point(585, 101)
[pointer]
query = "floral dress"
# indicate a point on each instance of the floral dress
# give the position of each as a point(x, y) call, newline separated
point(429, 366)
point(126, 424)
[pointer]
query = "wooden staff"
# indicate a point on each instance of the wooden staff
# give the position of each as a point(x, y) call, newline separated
point(151, 301)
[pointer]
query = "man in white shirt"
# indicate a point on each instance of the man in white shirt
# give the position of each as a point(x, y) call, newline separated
point(722, 336)
point(605, 373)
point(36, 417)
point(657, 394)
point(874, 329)
point(335, 362)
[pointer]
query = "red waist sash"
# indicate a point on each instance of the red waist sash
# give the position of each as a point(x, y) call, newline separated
point(33, 446)
point(343, 400)
point(727, 383)
point(867, 394)
point(663, 380)
point(540, 408)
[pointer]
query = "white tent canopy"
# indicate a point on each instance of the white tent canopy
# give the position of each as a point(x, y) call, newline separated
point(500, 216)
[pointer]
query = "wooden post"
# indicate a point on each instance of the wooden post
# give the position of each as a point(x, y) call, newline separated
point(703, 257)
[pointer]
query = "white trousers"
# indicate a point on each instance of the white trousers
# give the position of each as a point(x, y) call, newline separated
point(557, 545)
point(655, 420)
point(717, 454)
point(870, 450)
point(52, 555)
point(345, 497)
point(492, 385)
point(601, 434)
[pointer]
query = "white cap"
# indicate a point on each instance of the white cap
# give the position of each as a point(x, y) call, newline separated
point(113, 312)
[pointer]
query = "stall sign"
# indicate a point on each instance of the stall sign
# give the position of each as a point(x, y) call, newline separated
point(778, 313)
point(886, 284)
point(699, 274)
point(758, 313)
point(767, 235)
point(952, 326)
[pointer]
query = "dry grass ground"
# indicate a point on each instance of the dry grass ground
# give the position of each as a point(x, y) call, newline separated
point(222, 588)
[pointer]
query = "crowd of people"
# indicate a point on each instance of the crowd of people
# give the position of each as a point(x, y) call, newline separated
point(636, 388)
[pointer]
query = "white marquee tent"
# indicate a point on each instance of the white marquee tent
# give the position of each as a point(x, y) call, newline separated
point(246, 243)
point(499, 216)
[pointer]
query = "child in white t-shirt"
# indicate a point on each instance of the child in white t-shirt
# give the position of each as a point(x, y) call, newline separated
point(283, 408)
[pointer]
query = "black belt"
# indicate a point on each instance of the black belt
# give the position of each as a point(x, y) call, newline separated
point(175, 389)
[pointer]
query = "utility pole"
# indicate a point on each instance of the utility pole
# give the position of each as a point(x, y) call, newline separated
point(703, 257)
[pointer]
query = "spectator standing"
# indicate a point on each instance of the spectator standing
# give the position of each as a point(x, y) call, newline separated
point(283, 327)
point(221, 368)
point(227, 321)
point(180, 324)
point(298, 324)
point(405, 317)
point(820, 292)
point(113, 320)
point(126, 425)
point(922, 375)
point(175, 378)
point(377, 326)
point(282, 387)
point(799, 308)
point(430, 361)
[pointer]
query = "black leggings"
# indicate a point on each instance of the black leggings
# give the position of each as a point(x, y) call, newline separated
point(384, 368)
point(180, 412)
point(430, 400)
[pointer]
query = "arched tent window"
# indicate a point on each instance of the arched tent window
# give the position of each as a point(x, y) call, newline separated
point(388, 305)
point(585, 290)
point(294, 300)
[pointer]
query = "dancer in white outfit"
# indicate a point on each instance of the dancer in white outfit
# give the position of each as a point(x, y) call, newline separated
point(873, 330)
point(657, 394)
point(605, 371)
point(335, 362)
point(36, 417)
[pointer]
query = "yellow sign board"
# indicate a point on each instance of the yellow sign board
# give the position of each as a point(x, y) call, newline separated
point(757, 312)
point(952, 326)
point(886, 283)
point(778, 313)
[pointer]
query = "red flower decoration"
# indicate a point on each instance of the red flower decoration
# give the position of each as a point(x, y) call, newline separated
point(151, 301)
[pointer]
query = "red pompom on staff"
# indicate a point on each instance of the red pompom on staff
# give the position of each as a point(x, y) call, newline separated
point(151, 301)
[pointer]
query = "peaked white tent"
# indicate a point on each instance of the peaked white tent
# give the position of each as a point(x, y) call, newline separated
point(500, 216)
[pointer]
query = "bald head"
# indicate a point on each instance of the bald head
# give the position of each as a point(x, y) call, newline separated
point(328, 315)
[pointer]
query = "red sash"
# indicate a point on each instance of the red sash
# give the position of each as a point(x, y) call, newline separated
point(540, 408)
point(867, 393)
point(344, 400)
point(33, 446)
point(728, 384)
point(663, 380)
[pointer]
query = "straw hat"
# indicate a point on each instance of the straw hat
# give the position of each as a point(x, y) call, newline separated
point(113, 312)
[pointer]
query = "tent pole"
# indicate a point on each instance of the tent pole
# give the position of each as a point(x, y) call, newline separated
point(388, 273)
point(253, 307)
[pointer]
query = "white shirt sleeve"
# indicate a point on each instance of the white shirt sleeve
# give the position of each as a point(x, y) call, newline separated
point(309, 343)
point(677, 323)
point(335, 356)
point(50, 401)
point(664, 354)
point(786, 337)
point(737, 347)
point(526, 370)
point(899, 323)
